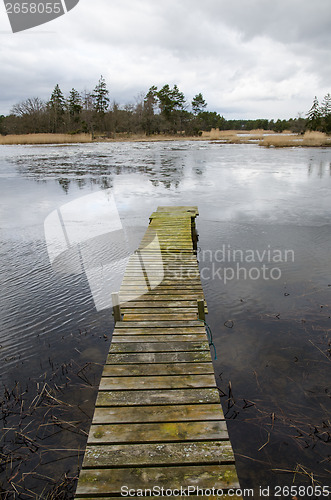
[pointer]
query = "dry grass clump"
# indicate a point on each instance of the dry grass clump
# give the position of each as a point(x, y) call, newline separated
point(309, 139)
point(281, 141)
point(256, 134)
point(45, 139)
point(227, 136)
point(234, 136)
point(316, 139)
point(213, 135)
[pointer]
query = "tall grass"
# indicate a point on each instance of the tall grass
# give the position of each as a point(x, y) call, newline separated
point(262, 137)
point(45, 139)
point(84, 138)
point(310, 139)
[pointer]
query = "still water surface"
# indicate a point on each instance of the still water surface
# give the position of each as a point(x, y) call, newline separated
point(264, 253)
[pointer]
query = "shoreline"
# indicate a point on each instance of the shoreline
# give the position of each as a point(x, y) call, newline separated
point(263, 138)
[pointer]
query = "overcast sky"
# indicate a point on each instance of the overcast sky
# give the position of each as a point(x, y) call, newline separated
point(249, 58)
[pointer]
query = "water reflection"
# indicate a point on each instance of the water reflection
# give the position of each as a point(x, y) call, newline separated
point(273, 363)
point(93, 165)
point(319, 170)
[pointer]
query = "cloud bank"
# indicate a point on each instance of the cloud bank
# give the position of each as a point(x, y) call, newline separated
point(257, 59)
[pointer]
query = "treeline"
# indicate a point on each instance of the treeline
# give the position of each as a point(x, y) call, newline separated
point(160, 111)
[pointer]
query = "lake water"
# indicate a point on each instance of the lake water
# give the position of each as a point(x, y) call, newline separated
point(264, 255)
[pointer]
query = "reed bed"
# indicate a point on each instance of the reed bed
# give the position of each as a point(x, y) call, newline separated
point(41, 424)
point(309, 139)
point(234, 136)
point(45, 139)
point(265, 138)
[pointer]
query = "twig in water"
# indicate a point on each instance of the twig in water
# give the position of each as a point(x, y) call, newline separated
point(265, 444)
point(320, 350)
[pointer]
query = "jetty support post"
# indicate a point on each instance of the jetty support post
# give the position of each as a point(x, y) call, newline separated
point(116, 307)
point(201, 310)
point(195, 237)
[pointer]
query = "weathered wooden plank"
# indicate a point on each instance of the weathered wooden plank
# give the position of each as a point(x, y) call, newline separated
point(161, 317)
point(143, 290)
point(185, 332)
point(157, 397)
point(159, 310)
point(159, 357)
point(154, 279)
point(155, 265)
point(156, 382)
point(175, 262)
point(142, 293)
point(157, 369)
point(158, 432)
point(165, 413)
point(133, 293)
point(165, 238)
point(110, 481)
point(159, 324)
point(158, 454)
point(158, 347)
point(164, 275)
point(158, 338)
point(144, 254)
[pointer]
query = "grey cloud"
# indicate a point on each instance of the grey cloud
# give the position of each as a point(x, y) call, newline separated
point(258, 58)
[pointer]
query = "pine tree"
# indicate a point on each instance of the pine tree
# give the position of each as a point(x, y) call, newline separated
point(178, 98)
point(326, 113)
point(198, 104)
point(149, 120)
point(56, 106)
point(57, 100)
point(326, 106)
point(74, 102)
point(170, 99)
point(100, 96)
point(314, 115)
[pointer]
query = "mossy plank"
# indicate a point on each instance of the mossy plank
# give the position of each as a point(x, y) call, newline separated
point(161, 280)
point(158, 454)
point(166, 413)
point(159, 357)
point(161, 330)
point(158, 369)
point(159, 324)
point(162, 317)
point(156, 382)
point(157, 304)
point(127, 347)
point(158, 298)
point(158, 338)
point(157, 397)
point(159, 310)
point(158, 432)
point(110, 481)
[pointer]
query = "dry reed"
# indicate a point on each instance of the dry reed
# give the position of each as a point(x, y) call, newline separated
point(309, 139)
point(45, 139)
point(262, 137)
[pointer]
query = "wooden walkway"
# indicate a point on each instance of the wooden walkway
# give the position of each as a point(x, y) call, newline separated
point(158, 419)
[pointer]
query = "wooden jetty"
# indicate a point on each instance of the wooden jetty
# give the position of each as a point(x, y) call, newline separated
point(158, 421)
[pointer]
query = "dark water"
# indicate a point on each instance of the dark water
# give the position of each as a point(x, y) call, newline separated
point(264, 253)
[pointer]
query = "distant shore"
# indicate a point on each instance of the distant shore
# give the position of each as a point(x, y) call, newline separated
point(261, 137)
